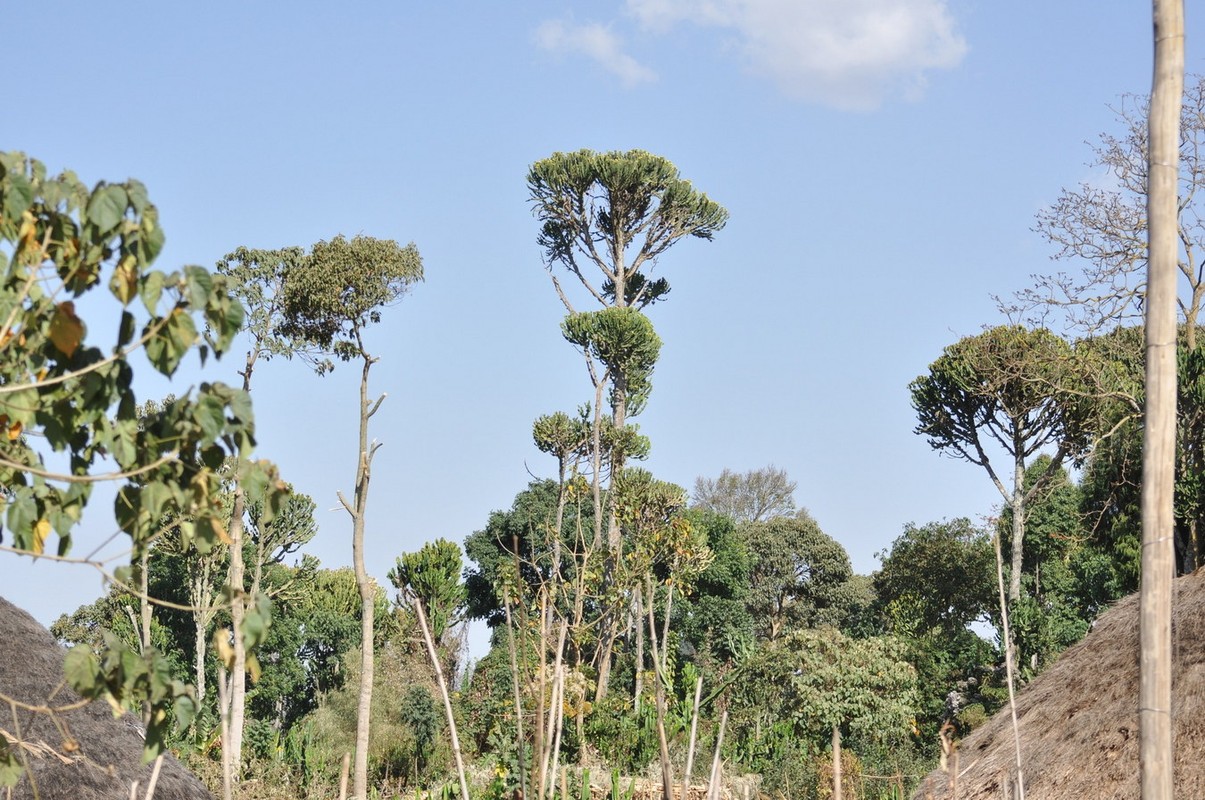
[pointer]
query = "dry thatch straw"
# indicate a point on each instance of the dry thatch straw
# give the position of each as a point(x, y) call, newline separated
point(85, 753)
point(1079, 718)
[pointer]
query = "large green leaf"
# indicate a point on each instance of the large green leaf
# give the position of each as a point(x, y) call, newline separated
point(107, 207)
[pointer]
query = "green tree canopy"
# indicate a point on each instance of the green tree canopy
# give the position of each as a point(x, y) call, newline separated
point(618, 211)
point(799, 577)
point(937, 576)
point(431, 576)
point(332, 295)
point(1010, 389)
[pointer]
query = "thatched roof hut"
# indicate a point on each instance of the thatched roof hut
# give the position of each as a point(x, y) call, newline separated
point(1079, 719)
point(109, 757)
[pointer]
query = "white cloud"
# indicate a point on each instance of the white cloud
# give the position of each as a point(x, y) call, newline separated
point(844, 53)
point(596, 42)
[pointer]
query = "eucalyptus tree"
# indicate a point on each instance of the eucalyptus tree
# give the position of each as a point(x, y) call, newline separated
point(68, 412)
point(329, 300)
point(1009, 389)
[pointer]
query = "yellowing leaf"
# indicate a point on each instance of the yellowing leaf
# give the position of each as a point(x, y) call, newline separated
point(14, 432)
point(124, 283)
point(219, 530)
point(66, 329)
point(41, 530)
point(221, 643)
point(27, 234)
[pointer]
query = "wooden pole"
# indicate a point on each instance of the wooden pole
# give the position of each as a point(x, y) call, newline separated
point(1159, 448)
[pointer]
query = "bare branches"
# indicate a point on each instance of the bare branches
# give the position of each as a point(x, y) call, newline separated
point(1101, 226)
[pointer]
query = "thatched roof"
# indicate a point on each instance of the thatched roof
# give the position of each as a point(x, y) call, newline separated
point(1079, 719)
point(109, 757)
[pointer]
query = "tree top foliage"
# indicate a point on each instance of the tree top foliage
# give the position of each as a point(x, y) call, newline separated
point(331, 295)
point(753, 496)
point(1011, 384)
point(618, 211)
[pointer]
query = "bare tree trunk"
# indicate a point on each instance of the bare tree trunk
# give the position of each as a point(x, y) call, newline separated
point(1159, 434)
point(1018, 532)
point(837, 794)
point(514, 677)
point(667, 776)
point(363, 582)
point(694, 727)
point(1009, 666)
point(443, 691)
point(638, 603)
point(713, 782)
point(199, 660)
point(238, 611)
point(144, 601)
point(537, 746)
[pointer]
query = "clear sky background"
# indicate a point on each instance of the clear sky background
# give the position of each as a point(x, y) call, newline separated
point(882, 161)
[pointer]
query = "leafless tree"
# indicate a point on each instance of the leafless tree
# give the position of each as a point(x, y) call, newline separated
point(753, 496)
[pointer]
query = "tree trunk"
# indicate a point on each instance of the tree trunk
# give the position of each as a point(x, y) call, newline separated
point(514, 680)
point(238, 610)
point(364, 583)
point(667, 775)
point(1159, 451)
point(199, 626)
point(1018, 532)
point(443, 692)
point(837, 762)
point(636, 695)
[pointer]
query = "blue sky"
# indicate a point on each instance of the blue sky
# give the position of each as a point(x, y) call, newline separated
point(882, 162)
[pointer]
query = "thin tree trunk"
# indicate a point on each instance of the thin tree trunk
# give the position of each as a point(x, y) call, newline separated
point(514, 679)
point(537, 747)
point(199, 659)
point(667, 776)
point(236, 580)
point(638, 602)
point(1009, 667)
point(555, 716)
point(144, 602)
point(713, 782)
point(837, 794)
point(363, 582)
point(1018, 533)
point(443, 691)
point(1158, 462)
point(694, 727)
point(669, 606)
point(238, 611)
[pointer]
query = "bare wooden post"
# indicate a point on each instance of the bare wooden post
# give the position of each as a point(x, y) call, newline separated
point(1159, 433)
